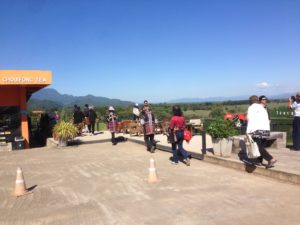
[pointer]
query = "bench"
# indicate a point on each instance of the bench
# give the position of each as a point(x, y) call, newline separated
point(276, 140)
point(196, 125)
point(135, 128)
point(123, 126)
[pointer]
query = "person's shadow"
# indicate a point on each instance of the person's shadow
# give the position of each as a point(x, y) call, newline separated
point(31, 188)
point(250, 164)
point(120, 139)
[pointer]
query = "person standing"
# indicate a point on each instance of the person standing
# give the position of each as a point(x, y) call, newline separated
point(136, 112)
point(258, 127)
point(78, 119)
point(86, 118)
point(177, 125)
point(294, 103)
point(112, 123)
point(146, 104)
point(147, 120)
point(56, 116)
point(263, 101)
point(92, 118)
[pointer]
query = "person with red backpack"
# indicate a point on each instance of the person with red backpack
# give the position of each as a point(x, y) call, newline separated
point(177, 126)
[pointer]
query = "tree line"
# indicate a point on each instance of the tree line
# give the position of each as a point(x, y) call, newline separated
point(163, 111)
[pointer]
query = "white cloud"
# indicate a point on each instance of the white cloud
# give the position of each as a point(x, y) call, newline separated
point(264, 85)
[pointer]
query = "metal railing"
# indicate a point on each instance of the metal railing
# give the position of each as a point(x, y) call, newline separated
point(285, 125)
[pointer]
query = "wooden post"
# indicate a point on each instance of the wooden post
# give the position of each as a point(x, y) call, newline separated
point(203, 142)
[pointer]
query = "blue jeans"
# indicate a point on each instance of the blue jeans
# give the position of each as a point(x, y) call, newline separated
point(179, 143)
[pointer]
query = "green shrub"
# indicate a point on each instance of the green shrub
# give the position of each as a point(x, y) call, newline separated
point(221, 128)
point(64, 130)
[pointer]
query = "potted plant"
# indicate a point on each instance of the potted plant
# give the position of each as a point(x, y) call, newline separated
point(221, 130)
point(64, 131)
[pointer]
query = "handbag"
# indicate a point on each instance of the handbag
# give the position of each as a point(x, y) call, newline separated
point(261, 134)
point(187, 135)
point(171, 136)
point(252, 148)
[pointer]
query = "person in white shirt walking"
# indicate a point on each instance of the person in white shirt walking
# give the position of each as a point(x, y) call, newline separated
point(258, 127)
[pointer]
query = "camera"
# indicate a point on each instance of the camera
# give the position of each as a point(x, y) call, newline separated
point(293, 98)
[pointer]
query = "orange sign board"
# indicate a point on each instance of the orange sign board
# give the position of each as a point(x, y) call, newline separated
point(25, 77)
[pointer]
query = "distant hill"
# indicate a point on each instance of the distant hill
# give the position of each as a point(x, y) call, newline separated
point(51, 98)
point(36, 104)
point(54, 96)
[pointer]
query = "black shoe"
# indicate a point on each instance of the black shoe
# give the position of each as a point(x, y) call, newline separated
point(271, 164)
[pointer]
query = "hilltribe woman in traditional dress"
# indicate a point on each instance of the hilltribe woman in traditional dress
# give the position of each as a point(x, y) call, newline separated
point(148, 122)
point(112, 123)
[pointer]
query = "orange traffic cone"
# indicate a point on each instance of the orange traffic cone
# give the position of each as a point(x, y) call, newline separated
point(20, 188)
point(152, 177)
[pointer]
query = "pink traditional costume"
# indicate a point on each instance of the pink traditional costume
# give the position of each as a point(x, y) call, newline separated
point(112, 123)
point(148, 122)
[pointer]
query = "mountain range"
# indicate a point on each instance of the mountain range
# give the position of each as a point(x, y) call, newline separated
point(50, 96)
point(232, 98)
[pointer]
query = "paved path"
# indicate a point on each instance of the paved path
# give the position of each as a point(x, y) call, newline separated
point(97, 183)
point(286, 169)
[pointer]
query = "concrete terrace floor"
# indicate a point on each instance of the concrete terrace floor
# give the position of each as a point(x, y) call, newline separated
point(288, 161)
point(97, 183)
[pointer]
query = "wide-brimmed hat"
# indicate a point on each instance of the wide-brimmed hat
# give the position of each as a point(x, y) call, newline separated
point(110, 108)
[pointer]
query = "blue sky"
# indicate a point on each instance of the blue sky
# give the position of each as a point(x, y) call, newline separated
point(158, 50)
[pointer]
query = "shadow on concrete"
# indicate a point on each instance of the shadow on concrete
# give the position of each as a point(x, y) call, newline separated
point(31, 188)
point(250, 164)
point(80, 142)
